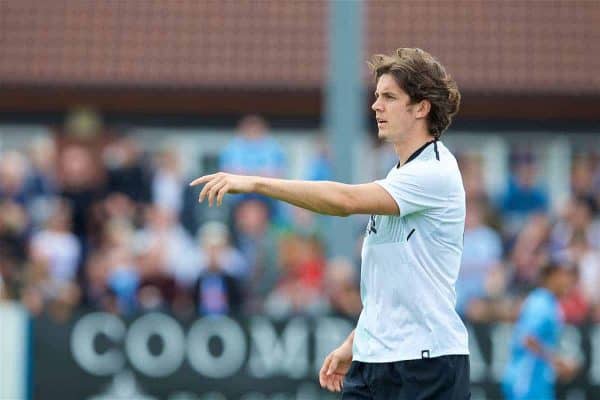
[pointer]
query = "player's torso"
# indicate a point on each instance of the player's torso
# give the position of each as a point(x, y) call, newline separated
point(409, 267)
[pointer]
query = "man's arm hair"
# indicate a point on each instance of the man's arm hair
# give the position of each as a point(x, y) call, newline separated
point(330, 198)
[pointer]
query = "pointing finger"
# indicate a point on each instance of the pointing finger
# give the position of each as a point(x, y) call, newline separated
point(202, 179)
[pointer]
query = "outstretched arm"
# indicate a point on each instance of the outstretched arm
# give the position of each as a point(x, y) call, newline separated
point(324, 197)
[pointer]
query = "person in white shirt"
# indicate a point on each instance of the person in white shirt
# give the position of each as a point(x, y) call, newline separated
point(409, 342)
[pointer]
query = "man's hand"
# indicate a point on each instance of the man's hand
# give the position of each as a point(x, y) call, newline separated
point(566, 369)
point(216, 185)
point(335, 367)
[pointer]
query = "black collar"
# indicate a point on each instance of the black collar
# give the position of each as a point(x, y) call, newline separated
point(416, 153)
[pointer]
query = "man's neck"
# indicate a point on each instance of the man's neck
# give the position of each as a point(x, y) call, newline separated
point(549, 287)
point(411, 144)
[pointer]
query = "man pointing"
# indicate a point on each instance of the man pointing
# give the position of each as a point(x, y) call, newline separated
point(409, 342)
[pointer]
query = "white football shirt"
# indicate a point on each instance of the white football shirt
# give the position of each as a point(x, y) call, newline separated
point(410, 264)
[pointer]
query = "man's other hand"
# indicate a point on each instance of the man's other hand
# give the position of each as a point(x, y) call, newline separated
point(335, 367)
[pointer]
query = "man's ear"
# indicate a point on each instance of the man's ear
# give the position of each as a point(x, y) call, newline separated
point(423, 109)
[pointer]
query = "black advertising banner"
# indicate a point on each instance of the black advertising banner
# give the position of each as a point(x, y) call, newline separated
point(99, 356)
point(155, 356)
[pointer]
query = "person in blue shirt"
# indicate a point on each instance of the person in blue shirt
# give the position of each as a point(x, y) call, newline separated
point(524, 197)
point(534, 362)
point(253, 151)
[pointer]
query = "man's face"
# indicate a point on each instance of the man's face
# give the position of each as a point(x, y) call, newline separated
point(395, 116)
point(564, 280)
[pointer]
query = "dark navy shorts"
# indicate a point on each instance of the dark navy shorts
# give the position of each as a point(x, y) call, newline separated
point(438, 378)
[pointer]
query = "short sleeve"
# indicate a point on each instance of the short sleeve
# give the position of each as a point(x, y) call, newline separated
point(226, 158)
point(536, 321)
point(416, 188)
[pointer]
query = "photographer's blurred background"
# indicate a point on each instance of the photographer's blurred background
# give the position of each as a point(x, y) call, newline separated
point(108, 109)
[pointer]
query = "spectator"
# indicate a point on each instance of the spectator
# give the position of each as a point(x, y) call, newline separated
point(14, 230)
point(10, 275)
point(56, 247)
point(42, 180)
point(578, 216)
point(472, 173)
point(299, 290)
point(257, 240)
point(123, 280)
point(341, 288)
point(471, 166)
point(587, 260)
point(42, 154)
point(164, 241)
point(43, 293)
point(126, 170)
point(157, 289)
point(215, 236)
point(584, 297)
point(96, 294)
point(168, 182)
point(481, 261)
point(320, 167)
point(13, 173)
point(582, 176)
point(529, 254)
point(13, 243)
point(54, 258)
point(253, 151)
point(523, 196)
point(118, 206)
point(217, 291)
point(80, 187)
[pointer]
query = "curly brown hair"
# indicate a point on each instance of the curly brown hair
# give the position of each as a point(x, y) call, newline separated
point(422, 77)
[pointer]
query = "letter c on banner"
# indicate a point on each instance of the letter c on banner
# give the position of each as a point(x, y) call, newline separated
point(234, 347)
point(85, 332)
point(138, 352)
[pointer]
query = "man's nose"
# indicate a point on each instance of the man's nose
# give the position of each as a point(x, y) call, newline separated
point(376, 105)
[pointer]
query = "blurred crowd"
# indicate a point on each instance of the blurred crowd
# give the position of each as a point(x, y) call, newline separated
point(107, 225)
point(104, 224)
point(511, 236)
